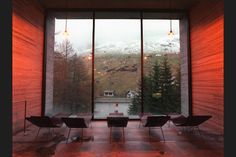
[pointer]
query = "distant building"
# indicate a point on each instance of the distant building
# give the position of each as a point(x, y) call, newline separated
point(131, 94)
point(108, 93)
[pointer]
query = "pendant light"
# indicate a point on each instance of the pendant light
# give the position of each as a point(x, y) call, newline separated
point(171, 33)
point(66, 33)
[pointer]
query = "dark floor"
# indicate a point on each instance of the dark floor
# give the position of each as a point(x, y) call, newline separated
point(136, 144)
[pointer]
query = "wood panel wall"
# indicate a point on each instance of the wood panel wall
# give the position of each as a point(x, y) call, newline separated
point(207, 58)
point(27, 59)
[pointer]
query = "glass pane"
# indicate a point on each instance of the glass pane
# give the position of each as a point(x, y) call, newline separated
point(161, 67)
point(117, 66)
point(72, 66)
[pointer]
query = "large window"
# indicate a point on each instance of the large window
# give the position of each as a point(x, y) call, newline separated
point(116, 62)
point(161, 67)
point(117, 65)
point(72, 66)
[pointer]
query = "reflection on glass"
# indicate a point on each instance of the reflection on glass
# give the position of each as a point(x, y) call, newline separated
point(72, 66)
point(161, 67)
point(117, 66)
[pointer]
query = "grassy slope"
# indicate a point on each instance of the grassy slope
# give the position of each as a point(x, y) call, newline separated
point(108, 76)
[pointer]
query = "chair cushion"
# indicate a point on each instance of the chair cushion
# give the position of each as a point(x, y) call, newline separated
point(76, 122)
point(193, 120)
point(155, 121)
point(42, 121)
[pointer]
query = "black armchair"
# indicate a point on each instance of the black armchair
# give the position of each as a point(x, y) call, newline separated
point(191, 121)
point(44, 122)
point(76, 122)
point(155, 121)
point(117, 121)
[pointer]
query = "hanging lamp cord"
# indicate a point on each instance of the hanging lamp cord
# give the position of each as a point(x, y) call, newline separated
point(66, 15)
point(170, 7)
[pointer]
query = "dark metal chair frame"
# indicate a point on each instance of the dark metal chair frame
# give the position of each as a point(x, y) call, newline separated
point(155, 121)
point(117, 121)
point(76, 122)
point(44, 122)
point(191, 121)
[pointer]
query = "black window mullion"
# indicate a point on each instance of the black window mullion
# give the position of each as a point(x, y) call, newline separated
point(142, 80)
point(93, 42)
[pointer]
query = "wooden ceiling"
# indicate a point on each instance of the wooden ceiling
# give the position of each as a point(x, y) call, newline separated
point(118, 4)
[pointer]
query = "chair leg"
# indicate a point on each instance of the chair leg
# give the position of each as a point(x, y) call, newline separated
point(92, 135)
point(163, 134)
point(110, 133)
point(68, 135)
point(37, 134)
point(82, 134)
point(53, 132)
point(123, 135)
point(199, 131)
point(49, 132)
point(149, 133)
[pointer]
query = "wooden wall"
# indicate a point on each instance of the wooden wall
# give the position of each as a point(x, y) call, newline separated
point(27, 59)
point(207, 58)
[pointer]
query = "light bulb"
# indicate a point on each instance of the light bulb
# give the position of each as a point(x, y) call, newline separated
point(66, 34)
point(89, 57)
point(171, 34)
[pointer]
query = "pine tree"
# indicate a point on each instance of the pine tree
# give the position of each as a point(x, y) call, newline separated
point(177, 92)
point(147, 93)
point(166, 86)
point(150, 87)
point(156, 77)
point(155, 97)
point(135, 107)
point(161, 92)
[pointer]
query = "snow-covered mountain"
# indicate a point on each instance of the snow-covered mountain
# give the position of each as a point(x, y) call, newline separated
point(163, 46)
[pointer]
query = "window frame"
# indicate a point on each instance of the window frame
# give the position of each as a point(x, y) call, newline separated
point(181, 15)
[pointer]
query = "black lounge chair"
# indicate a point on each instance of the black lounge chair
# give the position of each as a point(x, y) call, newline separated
point(155, 121)
point(44, 122)
point(76, 122)
point(191, 121)
point(117, 121)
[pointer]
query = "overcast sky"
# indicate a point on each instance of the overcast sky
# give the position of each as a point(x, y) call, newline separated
point(116, 30)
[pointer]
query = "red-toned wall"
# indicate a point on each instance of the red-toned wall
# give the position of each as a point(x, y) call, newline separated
point(207, 61)
point(27, 59)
